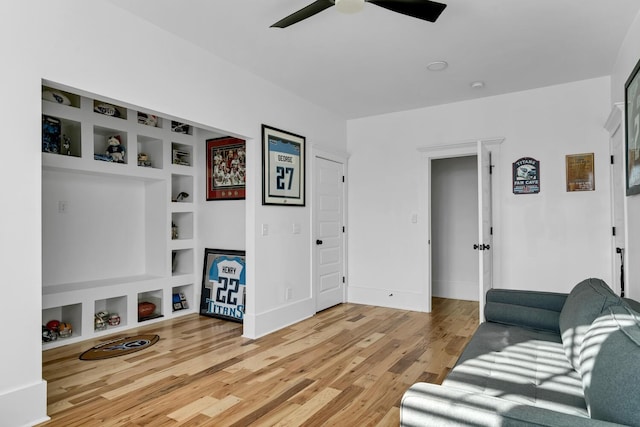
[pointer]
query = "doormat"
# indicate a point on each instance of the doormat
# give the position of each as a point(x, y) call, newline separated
point(119, 347)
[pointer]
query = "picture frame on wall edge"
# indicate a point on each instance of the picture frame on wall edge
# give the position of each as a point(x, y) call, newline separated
point(632, 134)
point(283, 167)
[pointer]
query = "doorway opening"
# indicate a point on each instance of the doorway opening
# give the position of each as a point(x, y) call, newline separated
point(454, 228)
point(485, 152)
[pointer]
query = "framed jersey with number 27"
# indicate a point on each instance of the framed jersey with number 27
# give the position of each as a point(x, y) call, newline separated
point(283, 160)
point(223, 284)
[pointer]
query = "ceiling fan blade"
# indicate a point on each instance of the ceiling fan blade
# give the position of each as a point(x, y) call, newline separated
point(304, 13)
point(421, 9)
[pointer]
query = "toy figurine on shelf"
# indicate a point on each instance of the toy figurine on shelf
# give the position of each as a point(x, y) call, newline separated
point(115, 149)
point(66, 145)
point(181, 197)
point(143, 160)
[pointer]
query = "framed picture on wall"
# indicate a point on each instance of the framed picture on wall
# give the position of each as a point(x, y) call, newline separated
point(283, 172)
point(580, 172)
point(632, 141)
point(226, 168)
point(223, 284)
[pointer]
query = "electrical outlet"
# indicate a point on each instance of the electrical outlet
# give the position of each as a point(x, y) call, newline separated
point(63, 206)
point(288, 294)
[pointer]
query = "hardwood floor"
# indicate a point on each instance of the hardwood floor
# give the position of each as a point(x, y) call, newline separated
point(348, 365)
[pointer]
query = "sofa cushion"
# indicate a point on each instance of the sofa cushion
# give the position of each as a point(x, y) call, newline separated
point(519, 365)
point(610, 362)
point(523, 316)
point(585, 302)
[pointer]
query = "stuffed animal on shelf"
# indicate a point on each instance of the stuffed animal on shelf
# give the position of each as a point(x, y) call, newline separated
point(115, 149)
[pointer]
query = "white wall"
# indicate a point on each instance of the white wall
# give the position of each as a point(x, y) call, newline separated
point(627, 58)
point(549, 241)
point(101, 49)
point(454, 228)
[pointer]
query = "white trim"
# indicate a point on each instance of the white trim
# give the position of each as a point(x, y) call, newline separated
point(614, 124)
point(25, 406)
point(441, 151)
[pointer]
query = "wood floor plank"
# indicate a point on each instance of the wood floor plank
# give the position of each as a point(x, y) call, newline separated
point(348, 365)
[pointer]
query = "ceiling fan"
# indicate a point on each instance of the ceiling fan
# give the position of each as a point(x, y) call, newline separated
point(421, 9)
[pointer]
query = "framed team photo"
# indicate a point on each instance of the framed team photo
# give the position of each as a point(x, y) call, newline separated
point(223, 292)
point(226, 168)
point(283, 160)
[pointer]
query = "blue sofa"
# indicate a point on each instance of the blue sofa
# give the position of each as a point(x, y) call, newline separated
point(543, 359)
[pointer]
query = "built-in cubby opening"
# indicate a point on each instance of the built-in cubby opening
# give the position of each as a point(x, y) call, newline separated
point(61, 97)
point(61, 136)
point(182, 297)
point(150, 297)
point(182, 225)
point(181, 188)
point(182, 262)
point(150, 152)
point(114, 311)
point(181, 154)
point(70, 314)
point(110, 145)
point(150, 120)
point(109, 109)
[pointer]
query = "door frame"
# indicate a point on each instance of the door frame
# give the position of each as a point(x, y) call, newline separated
point(460, 149)
point(342, 158)
point(614, 125)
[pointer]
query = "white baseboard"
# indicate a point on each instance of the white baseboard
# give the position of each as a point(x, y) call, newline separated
point(26, 406)
point(387, 298)
point(270, 321)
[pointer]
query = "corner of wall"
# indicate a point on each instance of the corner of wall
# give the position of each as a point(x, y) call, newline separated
point(25, 406)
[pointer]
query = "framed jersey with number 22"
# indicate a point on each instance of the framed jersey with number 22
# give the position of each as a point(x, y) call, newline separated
point(283, 160)
point(223, 284)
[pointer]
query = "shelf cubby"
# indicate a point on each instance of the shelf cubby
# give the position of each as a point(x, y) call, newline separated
point(181, 154)
point(151, 149)
point(115, 305)
point(183, 221)
point(71, 314)
point(61, 97)
point(182, 262)
point(149, 120)
point(177, 295)
point(181, 184)
point(109, 109)
point(154, 297)
point(101, 136)
point(61, 136)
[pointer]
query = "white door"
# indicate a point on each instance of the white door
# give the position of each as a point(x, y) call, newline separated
point(328, 236)
point(485, 238)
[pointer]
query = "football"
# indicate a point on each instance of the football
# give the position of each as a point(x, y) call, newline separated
point(146, 309)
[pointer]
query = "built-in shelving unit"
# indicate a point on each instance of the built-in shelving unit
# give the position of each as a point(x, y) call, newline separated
point(108, 213)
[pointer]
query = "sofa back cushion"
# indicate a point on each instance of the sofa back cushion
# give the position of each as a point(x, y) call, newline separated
point(585, 302)
point(610, 362)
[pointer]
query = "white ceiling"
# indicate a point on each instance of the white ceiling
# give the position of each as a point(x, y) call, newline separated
point(374, 62)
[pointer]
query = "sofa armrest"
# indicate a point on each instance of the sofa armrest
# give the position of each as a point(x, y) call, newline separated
point(435, 405)
point(528, 309)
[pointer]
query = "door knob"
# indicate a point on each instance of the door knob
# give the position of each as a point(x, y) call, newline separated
point(481, 247)
point(318, 242)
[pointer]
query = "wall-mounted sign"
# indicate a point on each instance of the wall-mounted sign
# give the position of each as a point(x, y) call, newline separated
point(580, 172)
point(526, 176)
